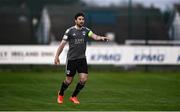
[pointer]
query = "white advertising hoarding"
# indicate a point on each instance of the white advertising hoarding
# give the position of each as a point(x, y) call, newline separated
point(114, 55)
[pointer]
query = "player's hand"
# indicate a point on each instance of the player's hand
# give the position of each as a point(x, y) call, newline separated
point(105, 39)
point(56, 61)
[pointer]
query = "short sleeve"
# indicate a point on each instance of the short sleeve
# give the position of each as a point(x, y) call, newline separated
point(66, 35)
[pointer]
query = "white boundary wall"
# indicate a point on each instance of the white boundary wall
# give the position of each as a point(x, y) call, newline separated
point(100, 55)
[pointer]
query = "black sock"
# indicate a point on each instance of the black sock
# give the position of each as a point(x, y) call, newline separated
point(64, 86)
point(78, 89)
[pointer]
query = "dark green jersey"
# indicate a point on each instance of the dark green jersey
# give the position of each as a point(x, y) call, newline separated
point(77, 42)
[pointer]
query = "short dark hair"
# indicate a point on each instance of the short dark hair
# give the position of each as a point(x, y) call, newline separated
point(79, 14)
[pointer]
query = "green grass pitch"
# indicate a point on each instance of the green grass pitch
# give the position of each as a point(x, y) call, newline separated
point(105, 91)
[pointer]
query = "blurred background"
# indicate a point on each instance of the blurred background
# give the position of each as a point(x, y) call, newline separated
point(138, 69)
point(43, 22)
point(127, 22)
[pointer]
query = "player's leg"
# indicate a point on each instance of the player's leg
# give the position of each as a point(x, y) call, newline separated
point(65, 85)
point(70, 72)
point(83, 76)
point(82, 80)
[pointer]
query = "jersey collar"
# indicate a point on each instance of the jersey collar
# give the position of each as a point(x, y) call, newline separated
point(78, 28)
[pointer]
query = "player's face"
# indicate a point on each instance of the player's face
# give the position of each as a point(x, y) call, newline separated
point(80, 21)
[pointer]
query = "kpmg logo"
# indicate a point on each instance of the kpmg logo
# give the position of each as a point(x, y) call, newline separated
point(178, 58)
point(149, 57)
point(106, 57)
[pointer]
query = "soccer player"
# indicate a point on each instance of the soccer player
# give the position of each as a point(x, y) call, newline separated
point(76, 36)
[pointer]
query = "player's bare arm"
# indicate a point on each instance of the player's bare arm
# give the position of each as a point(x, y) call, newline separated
point(97, 37)
point(59, 50)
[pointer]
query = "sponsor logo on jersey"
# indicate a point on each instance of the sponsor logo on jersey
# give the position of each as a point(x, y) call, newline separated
point(79, 41)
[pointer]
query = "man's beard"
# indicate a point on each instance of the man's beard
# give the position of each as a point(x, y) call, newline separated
point(80, 24)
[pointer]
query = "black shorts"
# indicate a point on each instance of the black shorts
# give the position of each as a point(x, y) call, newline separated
point(79, 64)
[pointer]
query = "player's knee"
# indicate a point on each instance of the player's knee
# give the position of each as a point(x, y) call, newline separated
point(83, 81)
point(68, 81)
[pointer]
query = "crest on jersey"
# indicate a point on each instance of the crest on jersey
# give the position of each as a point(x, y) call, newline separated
point(84, 33)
